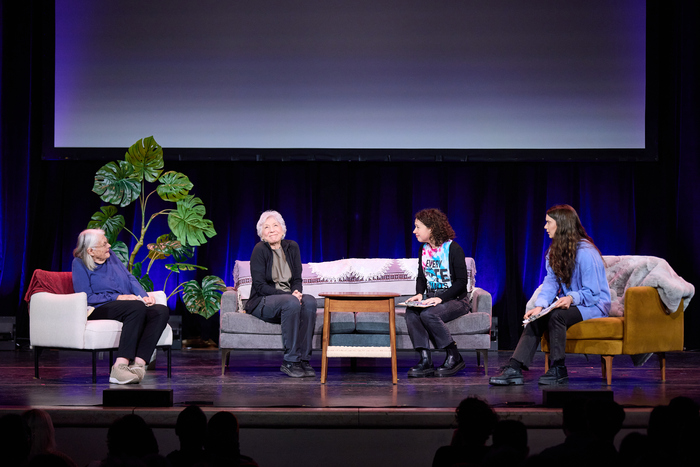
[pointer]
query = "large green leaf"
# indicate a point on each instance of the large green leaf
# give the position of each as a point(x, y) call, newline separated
point(147, 158)
point(116, 183)
point(122, 251)
point(144, 280)
point(108, 220)
point(188, 224)
point(146, 283)
point(204, 300)
point(168, 245)
point(174, 186)
point(177, 267)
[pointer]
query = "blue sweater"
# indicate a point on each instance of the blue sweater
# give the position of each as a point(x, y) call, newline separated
point(589, 287)
point(109, 280)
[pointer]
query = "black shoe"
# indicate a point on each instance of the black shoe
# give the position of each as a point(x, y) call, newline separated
point(293, 369)
point(425, 366)
point(452, 364)
point(507, 376)
point(555, 375)
point(308, 369)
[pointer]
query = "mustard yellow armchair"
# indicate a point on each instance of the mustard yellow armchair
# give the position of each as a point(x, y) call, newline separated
point(644, 328)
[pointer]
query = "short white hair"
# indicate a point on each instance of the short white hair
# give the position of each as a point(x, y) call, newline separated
point(266, 215)
point(88, 238)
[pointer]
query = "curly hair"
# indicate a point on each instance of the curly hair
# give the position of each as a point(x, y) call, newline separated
point(436, 221)
point(569, 233)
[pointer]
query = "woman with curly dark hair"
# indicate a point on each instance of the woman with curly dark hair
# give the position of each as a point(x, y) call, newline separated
point(576, 286)
point(441, 294)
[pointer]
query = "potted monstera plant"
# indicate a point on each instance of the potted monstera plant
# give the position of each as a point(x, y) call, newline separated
point(137, 178)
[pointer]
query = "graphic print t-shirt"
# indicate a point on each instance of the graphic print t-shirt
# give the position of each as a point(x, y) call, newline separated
point(436, 266)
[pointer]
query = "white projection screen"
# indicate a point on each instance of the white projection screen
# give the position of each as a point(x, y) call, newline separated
point(363, 79)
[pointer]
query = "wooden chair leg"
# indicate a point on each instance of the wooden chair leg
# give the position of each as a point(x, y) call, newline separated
point(662, 364)
point(483, 353)
point(546, 362)
point(602, 366)
point(607, 362)
point(225, 354)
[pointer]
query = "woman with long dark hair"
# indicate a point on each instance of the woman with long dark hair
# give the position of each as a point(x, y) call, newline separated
point(441, 294)
point(576, 287)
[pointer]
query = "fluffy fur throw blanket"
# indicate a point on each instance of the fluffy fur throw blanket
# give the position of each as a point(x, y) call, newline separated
point(623, 272)
point(632, 271)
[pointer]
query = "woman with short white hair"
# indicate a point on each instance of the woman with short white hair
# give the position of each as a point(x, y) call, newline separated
point(276, 294)
point(116, 294)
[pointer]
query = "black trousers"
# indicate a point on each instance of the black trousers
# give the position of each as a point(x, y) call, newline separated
point(297, 319)
point(141, 326)
point(556, 322)
point(428, 324)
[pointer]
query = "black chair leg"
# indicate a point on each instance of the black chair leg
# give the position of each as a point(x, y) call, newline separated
point(37, 352)
point(94, 367)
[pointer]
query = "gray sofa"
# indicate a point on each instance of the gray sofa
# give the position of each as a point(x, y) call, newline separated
point(241, 331)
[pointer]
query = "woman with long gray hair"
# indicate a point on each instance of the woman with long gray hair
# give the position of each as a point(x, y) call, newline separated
point(116, 294)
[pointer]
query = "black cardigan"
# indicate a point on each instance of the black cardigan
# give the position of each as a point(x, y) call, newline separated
point(458, 274)
point(261, 271)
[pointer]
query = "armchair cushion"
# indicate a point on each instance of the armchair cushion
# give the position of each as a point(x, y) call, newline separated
point(599, 328)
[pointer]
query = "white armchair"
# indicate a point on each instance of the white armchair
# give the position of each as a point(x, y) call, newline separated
point(59, 321)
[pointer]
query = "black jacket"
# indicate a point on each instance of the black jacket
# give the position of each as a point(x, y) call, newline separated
point(261, 271)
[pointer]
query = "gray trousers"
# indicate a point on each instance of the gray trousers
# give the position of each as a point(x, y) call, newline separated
point(556, 322)
point(428, 324)
point(297, 319)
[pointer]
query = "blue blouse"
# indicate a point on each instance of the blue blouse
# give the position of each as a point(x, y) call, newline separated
point(589, 286)
point(109, 280)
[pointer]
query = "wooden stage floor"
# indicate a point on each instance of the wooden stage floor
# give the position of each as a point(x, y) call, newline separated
point(360, 401)
point(253, 380)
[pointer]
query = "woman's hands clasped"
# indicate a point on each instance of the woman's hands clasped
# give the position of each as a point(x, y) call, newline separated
point(298, 295)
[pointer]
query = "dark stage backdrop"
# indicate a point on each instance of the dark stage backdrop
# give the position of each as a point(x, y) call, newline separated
point(354, 209)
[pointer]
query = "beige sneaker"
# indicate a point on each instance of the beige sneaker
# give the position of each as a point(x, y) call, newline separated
point(138, 370)
point(122, 375)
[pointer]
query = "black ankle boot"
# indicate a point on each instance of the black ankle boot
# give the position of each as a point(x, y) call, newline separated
point(452, 364)
point(425, 366)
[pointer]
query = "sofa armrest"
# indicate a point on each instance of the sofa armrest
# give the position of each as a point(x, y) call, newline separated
point(481, 301)
point(647, 326)
point(57, 320)
point(229, 301)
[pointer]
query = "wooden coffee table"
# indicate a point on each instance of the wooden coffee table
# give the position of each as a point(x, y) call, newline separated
point(358, 302)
